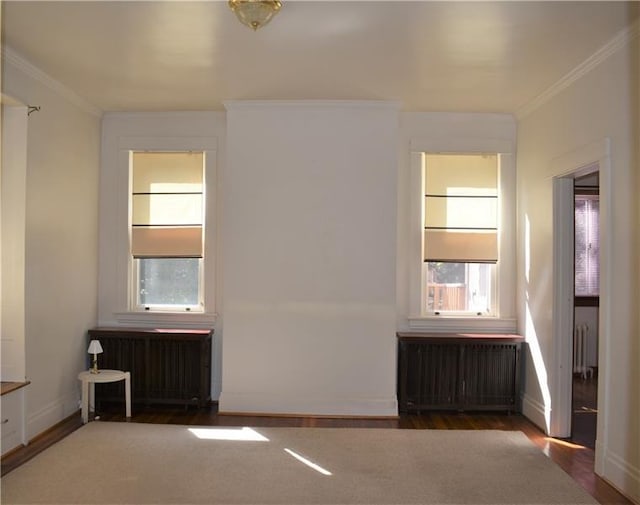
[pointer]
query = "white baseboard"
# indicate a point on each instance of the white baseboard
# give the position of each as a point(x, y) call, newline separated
point(620, 473)
point(535, 412)
point(51, 414)
point(274, 404)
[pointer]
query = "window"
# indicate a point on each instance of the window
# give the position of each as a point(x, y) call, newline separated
point(587, 245)
point(460, 243)
point(167, 230)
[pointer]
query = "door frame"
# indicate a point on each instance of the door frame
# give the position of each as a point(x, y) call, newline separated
point(587, 159)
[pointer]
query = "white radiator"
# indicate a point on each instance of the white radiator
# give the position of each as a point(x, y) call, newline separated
point(580, 334)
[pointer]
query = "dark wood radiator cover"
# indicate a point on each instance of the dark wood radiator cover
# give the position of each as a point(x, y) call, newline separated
point(458, 371)
point(167, 366)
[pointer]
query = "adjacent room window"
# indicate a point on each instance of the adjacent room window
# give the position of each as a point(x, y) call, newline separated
point(167, 230)
point(460, 244)
point(587, 245)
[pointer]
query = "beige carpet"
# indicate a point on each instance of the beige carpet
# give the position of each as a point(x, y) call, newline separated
point(116, 463)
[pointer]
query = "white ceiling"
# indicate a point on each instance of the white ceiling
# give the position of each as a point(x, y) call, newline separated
point(431, 56)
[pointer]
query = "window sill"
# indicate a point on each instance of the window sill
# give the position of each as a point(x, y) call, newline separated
point(183, 319)
point(462, 324)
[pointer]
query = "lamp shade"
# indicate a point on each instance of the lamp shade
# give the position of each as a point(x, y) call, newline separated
point(94, 347)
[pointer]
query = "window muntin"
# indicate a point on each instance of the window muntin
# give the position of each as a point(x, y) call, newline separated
point(460, 243)
point(167, 230)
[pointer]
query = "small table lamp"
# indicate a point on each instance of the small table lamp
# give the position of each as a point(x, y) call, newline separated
point(94, 348)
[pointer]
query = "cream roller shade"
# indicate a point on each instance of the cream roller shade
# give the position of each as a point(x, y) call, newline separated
point(167, 204)
point(461, 208)
point(460, 246)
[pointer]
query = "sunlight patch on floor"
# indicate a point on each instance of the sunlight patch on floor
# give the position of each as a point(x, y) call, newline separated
point(237, 434)
point(310, 464)
point(585, 410)
point(564, 443)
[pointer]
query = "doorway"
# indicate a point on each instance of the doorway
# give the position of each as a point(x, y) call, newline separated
point(584, 399)
point(594, 157)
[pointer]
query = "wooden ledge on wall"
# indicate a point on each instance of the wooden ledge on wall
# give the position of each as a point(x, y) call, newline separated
point(8, 387)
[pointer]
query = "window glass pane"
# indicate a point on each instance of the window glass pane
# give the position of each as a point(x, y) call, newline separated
point(163, 209)
point(167, 203)
point(587, 246)
point(461, 197)
point(461, 174)
point(166, 172)
point(168, 281)
point(461, 212)
point(459, 287)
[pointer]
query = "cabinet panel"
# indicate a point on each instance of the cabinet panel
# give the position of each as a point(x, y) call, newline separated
point(490, 372)
point(11, 406)
point(440, 380)
point(174, 370)
point(122, 352)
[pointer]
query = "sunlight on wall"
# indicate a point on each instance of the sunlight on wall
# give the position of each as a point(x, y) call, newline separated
point(531, 336)
point(538, 362)
point(527, 248)
point(237, 434)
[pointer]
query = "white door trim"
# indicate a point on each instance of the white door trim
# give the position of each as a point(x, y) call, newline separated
point(595, 156)
point(563, 302)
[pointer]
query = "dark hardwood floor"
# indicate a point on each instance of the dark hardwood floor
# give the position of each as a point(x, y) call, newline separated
point(585, 411)
point(575, 459)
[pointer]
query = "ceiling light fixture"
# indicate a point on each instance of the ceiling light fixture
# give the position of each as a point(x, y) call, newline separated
point(255, 13)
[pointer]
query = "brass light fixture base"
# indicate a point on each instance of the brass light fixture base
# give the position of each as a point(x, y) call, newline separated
point(255, 13)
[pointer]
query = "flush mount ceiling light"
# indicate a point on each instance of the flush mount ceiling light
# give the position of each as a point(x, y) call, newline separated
point(255, 13)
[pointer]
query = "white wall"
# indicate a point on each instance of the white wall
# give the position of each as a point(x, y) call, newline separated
point(60, 240)
point(601, 104)
point(309, 241)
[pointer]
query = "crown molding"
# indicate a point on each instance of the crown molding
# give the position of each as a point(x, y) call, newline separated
point(620, 40)
point(10, 56)
point(178, 114)
point(311, 104)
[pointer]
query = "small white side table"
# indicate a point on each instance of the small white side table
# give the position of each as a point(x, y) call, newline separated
point(89, 381)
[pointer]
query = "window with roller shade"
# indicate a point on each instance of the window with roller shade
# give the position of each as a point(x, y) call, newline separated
point(460, 244)
point(167, 230)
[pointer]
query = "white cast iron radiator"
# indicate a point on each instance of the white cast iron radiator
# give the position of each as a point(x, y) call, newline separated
point(580, 335)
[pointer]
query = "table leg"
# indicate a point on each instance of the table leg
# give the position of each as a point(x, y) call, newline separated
point(127, 392)
point(92, 397)
point(85, 401)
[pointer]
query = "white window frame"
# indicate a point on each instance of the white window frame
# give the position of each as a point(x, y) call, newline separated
point(493, 276)
point(134, 288)
point(132, 315)
point(503, 319)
